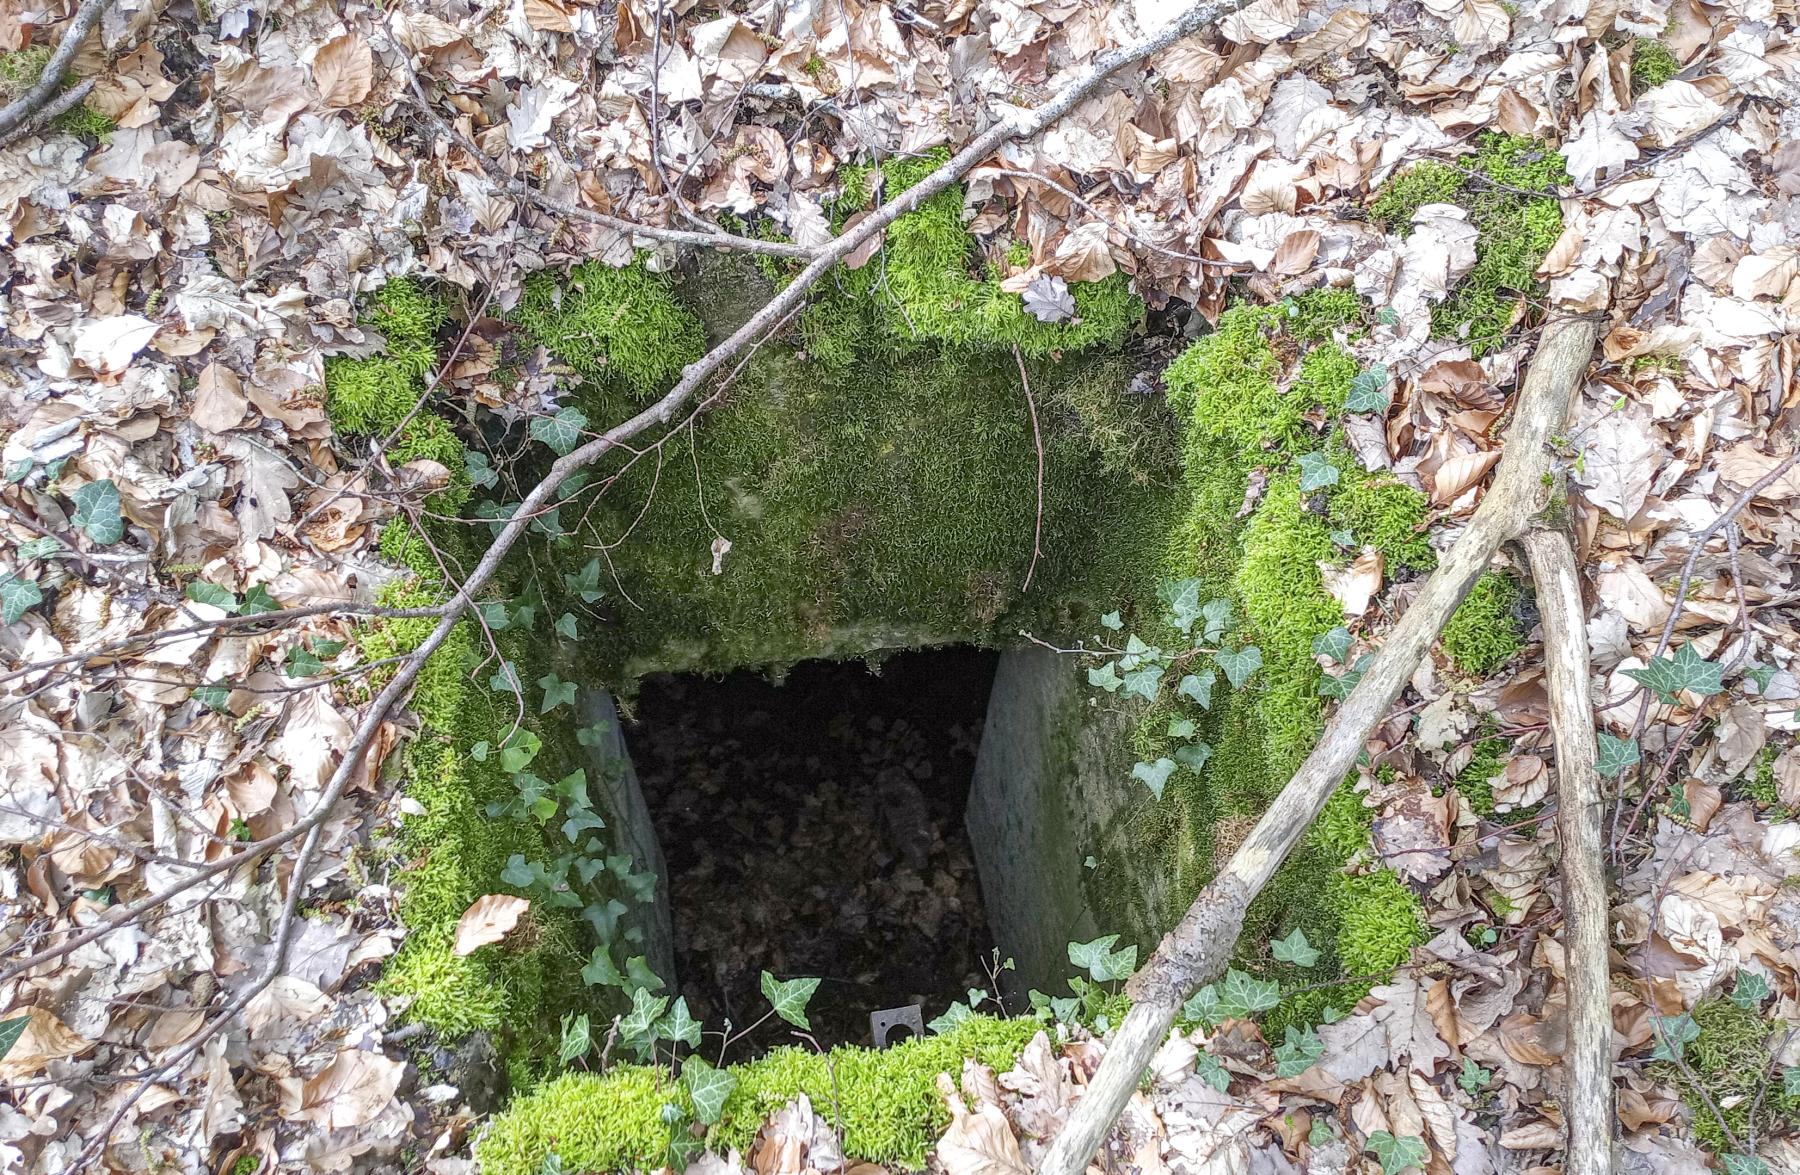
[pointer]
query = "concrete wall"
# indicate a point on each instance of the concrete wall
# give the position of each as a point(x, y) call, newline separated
point(1052, 790)
point(613, 785)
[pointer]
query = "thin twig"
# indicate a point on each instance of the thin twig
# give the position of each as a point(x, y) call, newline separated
point(17, 113)
point(1037, 438)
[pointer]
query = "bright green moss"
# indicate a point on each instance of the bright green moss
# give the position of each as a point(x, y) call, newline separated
point(1476, 780)
point(890, 1106)
point(1225, 384)
point(1324, 380)
point(1483, 634)
point(1652, 64)
point(621, 329)
point(1516, 230)
point(928, 286)
point(1315, 316)
point(372, 396)
point(1388, 515)
point(1286, 603)
point(1426, 182)
point(1381, 922)
point(1342, 828)
point(1731, 1061)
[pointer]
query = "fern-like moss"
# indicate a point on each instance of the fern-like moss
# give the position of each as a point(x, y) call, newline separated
point(1652, 63)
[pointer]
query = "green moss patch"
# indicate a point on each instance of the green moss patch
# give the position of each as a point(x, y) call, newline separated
point(1730, 1061)
point(885, 1102)
point(1483, 634)
point(1517, 228)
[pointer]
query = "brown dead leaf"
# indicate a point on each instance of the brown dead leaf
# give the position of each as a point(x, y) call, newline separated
point(219, 403)
point(44, 1039)
point(1353, 586)
point(978, 1143)
point(488, 919)
point(344, 70)
point(1457, 474)
point(352, 1090)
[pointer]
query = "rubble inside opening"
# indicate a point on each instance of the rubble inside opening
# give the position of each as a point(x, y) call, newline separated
point(812, 825)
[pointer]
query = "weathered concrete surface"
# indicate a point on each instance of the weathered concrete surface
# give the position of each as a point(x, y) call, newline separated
point(1053, 790)
point(613, 784)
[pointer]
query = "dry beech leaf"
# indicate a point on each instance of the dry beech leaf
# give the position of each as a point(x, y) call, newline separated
point(547, 16)
point(1456, 475)
point(44, 1039)
point(1355, 585)
point(978, 1143)
point(344, 70)
point(488, 920)
point(351, 1091)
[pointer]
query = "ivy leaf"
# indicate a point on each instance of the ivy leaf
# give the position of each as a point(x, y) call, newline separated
point(302, 662)
point(1194, 756)
point(1240, 665)
point(577, 1038)
point(1368, 391)
point(586, 582)
point(1339, 687)
point(10, 1032)
point(49, 545)
point(1144, 682)
point(494, 615)
point(1218, 619)
point(1155, 775)
point(565, 626)
point(680, 1025)
point(519, 750)
point(1751, 990)
point(1106, 677)
point(1761, 675)
point(1199, 687)
point(1320, 1134)
point(18, 596)
point(1745, 1165)
point(600, 971)
point(1473, 1077)
point(1317, 472)
point(1294, 949)
point(561, 432)
point(1101, 962)
point(1675, 1032)
point(790, 997)
point(708, 1088)
point(1209, 1070)
point(646, 1010)
point(1686, 670)
point(505, 680)
point(202, 592)
point(639, 977)
point(1296, 1054)
point(213, 696)
point(1397, 1154)
point(1790, 1081)
point(953, 1015)
point(1113, 621)
point(1616, 754)
point(97, 511)
point(557, 692)
point(1182, 598)
point(1203, 1007)
point(1387, 316)
point(1334, 644)
point(258, 601)
point(1243, 995)
point(481, 474)
point(1182, 728)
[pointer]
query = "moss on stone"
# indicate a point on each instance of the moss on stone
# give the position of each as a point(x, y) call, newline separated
point(929, 286)
point(1483, 634)
point(1516, 229)
point(885, 1102)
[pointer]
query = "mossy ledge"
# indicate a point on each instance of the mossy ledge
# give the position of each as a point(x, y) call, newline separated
point(885, 1102)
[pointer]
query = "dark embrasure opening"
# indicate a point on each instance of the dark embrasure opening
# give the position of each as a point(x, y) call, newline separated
point(815, 828)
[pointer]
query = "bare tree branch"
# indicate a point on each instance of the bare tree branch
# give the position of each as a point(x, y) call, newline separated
point(19, 112)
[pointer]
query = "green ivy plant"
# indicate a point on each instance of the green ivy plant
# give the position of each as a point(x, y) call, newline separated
point(1180, 676)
